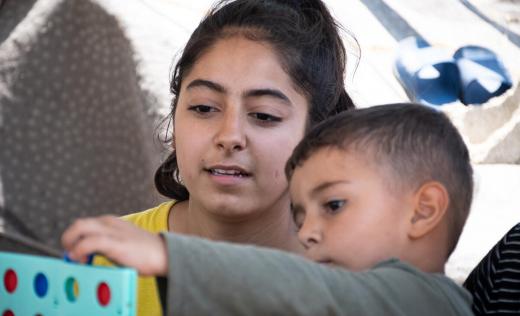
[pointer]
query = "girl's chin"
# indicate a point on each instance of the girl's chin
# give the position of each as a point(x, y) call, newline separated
point(232, 207)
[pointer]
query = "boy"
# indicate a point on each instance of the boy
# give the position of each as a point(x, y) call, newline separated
point(376, 191)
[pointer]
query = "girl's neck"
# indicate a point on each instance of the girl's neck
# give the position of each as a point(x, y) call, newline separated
point(268, 230)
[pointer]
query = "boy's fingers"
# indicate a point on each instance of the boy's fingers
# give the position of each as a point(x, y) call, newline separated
point(81, 228)
point(110, 220)
point(74, 232)
point(113, 223)
point(102, 244)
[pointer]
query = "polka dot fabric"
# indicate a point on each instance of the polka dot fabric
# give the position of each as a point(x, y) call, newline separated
point(75, 136)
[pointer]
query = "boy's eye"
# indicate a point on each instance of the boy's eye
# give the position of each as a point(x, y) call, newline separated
point(202, 109)
point(334, 205)
point(265, 117)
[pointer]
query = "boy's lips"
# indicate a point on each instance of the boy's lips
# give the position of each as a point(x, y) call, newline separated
point(319, 259)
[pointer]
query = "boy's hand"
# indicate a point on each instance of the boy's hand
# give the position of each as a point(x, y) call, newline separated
point(118, 240)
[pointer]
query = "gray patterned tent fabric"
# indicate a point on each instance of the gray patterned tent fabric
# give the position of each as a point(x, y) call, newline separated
point(76, 138)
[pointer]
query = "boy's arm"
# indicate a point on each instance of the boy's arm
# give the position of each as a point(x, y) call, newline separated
point(217, 278)
point(208, 277)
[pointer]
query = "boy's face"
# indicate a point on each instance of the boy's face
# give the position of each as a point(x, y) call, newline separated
point(346, 212)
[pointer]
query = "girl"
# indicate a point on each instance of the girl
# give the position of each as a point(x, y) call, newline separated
point(252, 78)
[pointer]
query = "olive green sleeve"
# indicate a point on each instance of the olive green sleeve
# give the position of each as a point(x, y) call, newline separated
point(216, 278)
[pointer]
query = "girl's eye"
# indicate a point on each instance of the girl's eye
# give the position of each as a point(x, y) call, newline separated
point(334, 206)
point(264, 117)
point(202, 109)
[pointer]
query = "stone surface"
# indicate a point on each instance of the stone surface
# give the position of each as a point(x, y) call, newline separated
point(76, 135)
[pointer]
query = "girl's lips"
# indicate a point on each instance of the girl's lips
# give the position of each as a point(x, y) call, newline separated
point(228, 175)
point(231, 170)
point(228, 172)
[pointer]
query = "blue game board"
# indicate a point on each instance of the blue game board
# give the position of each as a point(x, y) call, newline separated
point(36, 285)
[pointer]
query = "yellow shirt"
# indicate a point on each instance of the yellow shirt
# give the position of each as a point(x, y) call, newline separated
point(154, 220)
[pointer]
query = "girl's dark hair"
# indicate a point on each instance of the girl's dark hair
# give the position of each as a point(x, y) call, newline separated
point(307, 42)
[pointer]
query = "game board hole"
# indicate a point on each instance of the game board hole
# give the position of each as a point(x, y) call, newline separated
point(10, 280)
point(72, 289)
point(41, 285)
point(103, 294)
point(8, 313)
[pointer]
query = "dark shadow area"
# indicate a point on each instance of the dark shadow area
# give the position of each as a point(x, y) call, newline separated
point(12, 12)
point(17, 224)
point(391, 20)
point(20, 244)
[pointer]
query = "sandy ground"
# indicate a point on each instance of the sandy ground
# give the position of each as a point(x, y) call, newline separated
point(159, 29)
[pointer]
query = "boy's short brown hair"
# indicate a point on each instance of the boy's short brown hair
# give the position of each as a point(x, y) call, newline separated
point(414, 142)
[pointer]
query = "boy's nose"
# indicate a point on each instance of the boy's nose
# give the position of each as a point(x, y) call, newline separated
point(230, 135)
point(310, 233)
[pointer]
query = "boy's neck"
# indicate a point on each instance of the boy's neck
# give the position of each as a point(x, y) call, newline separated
point(270, 229)
point(426, 265)
point(428, 254)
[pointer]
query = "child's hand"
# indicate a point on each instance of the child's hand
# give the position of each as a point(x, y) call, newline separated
point(118, 240)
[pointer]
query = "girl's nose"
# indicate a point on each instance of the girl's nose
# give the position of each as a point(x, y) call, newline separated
point(231, 134)
point(310, 233)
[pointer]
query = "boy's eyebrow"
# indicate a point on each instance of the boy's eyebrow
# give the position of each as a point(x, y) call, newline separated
point(208, 84)
point(268, 92)
point(326, 185)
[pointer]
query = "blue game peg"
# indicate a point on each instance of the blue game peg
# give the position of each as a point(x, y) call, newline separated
point(90, 258)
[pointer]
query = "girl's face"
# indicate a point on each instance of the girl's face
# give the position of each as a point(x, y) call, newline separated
point(237, 120)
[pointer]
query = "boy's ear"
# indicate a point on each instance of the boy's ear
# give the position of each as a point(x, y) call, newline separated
point(431, 203)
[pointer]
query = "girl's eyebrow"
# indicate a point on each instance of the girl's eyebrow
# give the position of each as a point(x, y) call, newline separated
point(253, 93)
point(208, 84)
point(274, 93)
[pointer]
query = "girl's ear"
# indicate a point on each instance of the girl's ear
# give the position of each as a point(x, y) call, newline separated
point(431, 203)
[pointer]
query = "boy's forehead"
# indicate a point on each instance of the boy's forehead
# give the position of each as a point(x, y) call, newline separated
point(324, 164)
point(329, 164)
point(331, 156)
